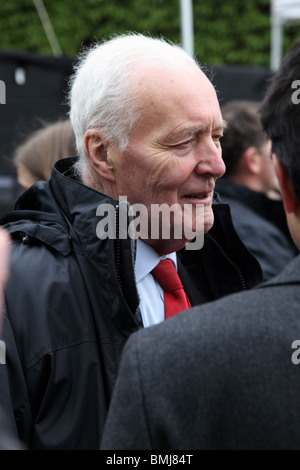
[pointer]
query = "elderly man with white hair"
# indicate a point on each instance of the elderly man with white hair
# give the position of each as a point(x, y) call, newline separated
point(139, 194)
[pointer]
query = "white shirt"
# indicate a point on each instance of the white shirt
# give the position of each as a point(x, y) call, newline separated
point(150, 292)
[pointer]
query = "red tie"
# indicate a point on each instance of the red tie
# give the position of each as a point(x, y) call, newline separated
point(175, 297)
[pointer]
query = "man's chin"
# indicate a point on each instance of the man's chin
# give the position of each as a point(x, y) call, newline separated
point(208, 220)
point(203, 224)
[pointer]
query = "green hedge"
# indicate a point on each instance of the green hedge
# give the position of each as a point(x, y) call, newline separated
point(225, 31)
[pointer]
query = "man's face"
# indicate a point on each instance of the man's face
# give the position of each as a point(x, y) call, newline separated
point(174, 152)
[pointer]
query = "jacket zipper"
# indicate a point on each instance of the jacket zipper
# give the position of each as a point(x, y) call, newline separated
point(229, 260)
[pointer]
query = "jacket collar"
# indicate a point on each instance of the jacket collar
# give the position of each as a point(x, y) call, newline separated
point(289, 275)
point(60, 212)
point(77, 201)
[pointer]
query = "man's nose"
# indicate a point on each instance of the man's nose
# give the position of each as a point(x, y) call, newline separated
point(211, 161)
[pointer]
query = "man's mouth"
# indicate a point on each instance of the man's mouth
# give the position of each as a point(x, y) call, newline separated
point(196, 196)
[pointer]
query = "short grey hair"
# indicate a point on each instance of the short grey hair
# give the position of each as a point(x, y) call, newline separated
point(102, 93)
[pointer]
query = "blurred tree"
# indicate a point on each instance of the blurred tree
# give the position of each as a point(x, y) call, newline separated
point(225, 31)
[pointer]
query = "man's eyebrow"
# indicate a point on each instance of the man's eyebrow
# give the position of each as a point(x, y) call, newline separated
point(220, 126)
point(190, 132)
point(182, 134)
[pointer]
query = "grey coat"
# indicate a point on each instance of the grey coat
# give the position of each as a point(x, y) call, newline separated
point(224, 375)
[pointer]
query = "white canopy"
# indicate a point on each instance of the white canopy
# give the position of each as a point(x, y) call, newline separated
point(283, 13)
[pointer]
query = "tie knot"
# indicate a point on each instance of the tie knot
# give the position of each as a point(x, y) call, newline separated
point(166, 275)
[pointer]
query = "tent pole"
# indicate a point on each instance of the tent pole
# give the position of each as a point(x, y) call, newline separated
point(187, 29)
point(276, 43)
point(45, 20)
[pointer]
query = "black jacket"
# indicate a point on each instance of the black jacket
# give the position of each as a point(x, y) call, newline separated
point(71, 303)
point(261, 223)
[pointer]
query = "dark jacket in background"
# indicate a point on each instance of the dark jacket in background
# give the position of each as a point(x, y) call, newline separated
point(261, 224)
point(221, 376)
point(72, 302)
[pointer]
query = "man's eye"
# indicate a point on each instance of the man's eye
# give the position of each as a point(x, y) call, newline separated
point(185, 144)
point(217, 139)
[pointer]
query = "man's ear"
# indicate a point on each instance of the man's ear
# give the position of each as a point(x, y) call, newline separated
point(286, 187)
point(252, 160)
point(96, 151)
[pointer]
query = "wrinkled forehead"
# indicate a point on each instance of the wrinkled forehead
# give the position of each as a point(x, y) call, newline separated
point(151, 78)
point(177, 93)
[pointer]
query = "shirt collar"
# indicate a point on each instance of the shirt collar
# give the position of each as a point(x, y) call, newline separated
point(147, 259)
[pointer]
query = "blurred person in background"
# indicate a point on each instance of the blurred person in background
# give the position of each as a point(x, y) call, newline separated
point(35, 157)
point(251, 188)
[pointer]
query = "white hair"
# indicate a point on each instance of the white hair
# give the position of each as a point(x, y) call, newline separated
point(102, 93)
